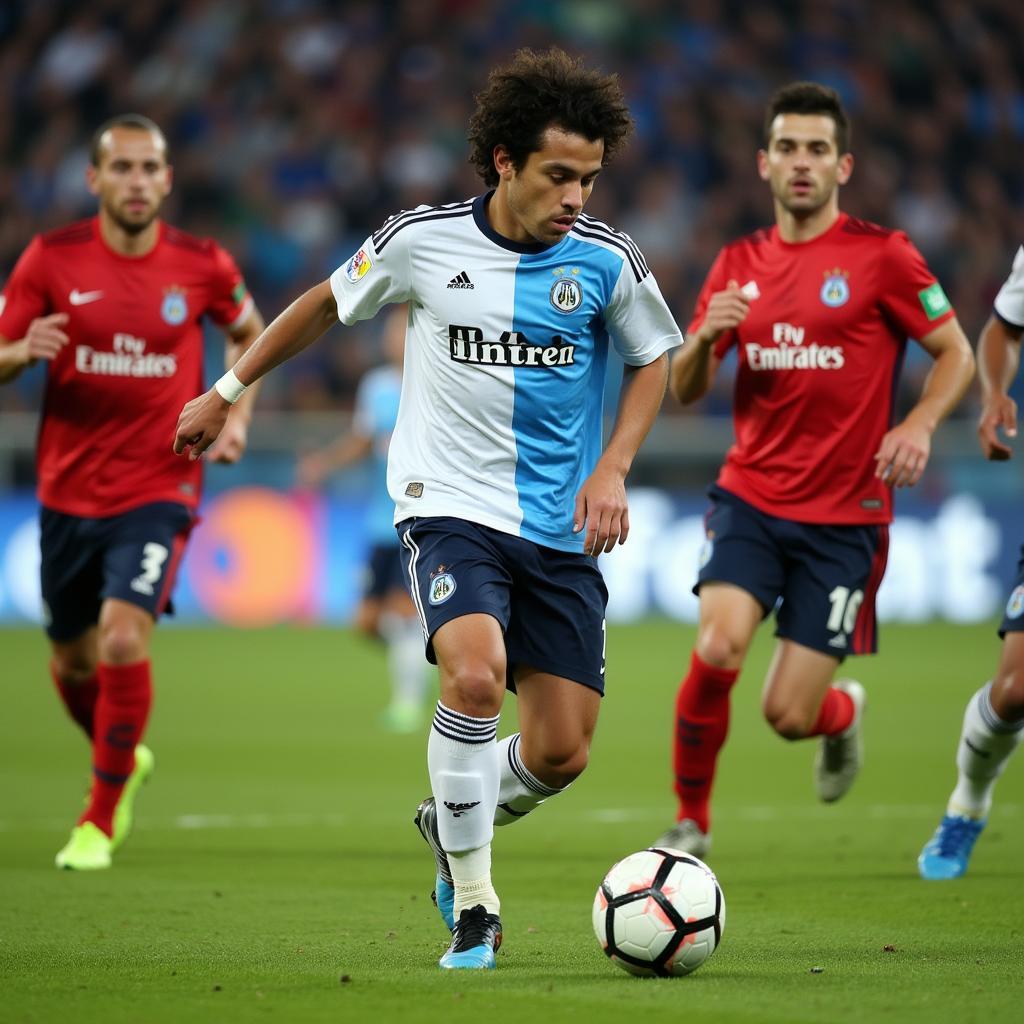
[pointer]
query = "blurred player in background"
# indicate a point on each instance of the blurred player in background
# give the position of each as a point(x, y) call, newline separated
point(113, 304)
point(504, 496)
point(819, 308)
point(994, 719)
point(385, 610)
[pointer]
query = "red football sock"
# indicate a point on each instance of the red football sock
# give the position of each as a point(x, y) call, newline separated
point(836, 714)
point(79, 699)
point(702, 723)
point(126, 693)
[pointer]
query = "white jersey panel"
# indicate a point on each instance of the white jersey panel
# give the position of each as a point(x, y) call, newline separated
point(501, 411)
point(1009, 303)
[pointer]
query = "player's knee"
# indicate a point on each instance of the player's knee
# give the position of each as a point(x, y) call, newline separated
point(790, 723)
point(122, 643)
point(719, 648)
point(1008, 693)
point(73, 669)
point(562, 765)
point(474, 689)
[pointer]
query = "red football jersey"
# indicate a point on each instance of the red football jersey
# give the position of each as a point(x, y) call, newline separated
point(134, 358)
point(818, 358)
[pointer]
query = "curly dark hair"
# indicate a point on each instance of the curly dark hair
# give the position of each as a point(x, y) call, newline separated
point(809, 98)
point(537, 91)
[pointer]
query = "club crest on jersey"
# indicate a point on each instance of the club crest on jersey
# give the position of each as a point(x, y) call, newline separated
point(174, 308)
point(358, 267)
point(441, 588)
point(1015, 606)
point(835, 291)
point(566, 293)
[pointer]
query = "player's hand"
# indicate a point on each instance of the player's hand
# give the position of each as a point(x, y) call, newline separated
point(602, 508)
point(231, 442)
point(44, 338)
point(903, 454)
point(998, 412)
point(200, 422)
point(725, 311)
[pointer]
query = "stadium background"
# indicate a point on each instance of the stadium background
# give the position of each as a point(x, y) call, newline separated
point(297, 127)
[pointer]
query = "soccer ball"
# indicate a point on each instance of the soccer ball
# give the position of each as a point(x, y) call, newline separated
point(659, 912)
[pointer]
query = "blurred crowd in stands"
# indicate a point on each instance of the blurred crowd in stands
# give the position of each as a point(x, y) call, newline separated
point(296, 127)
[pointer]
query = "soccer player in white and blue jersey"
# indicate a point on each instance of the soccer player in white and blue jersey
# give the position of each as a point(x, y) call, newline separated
point(993, 725)
point(504, 495)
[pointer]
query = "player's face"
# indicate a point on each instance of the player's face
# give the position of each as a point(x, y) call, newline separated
point(544, 197)
point(132, 179)
point(803, 165)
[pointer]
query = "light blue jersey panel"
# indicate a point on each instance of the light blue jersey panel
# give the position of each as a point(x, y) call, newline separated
point(560, 299)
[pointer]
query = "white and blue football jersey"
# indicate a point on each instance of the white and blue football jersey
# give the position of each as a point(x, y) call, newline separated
point(1009, 303)
point(501, 412)
point(375, 415)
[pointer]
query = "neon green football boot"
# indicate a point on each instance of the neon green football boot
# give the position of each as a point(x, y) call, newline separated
point(123, 813)
point(88, 849)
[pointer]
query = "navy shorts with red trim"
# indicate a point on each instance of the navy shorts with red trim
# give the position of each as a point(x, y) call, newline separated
point(550, 603)
point(821, 579)
point(133, 557)
point(1013, 617)
point(384, 571)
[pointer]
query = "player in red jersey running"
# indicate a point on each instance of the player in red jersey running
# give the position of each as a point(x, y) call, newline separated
point(114, 305)
point(819, 308)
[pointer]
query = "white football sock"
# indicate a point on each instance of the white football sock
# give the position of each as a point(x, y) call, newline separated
point(462, 757)
point(407, 660)
point(519, 791)
point(986, 743)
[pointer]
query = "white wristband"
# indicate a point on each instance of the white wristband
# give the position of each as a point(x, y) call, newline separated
point(230, 388)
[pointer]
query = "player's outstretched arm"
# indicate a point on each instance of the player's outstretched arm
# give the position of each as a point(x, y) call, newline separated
point(903, 454)
point(316, 466)
point(601, 504)
point(305, 320)
point(695, 364)
point(44, 339)
point(998, 362)
point(231, 443)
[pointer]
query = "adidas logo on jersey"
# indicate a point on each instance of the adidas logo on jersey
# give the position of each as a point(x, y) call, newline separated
point(461, 280)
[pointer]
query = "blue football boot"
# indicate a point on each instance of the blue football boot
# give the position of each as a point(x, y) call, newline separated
point(947, 853)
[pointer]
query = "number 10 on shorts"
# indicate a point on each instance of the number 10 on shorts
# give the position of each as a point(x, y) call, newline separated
point(843, 616)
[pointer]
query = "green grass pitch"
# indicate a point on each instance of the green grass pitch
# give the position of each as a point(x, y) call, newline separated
point(275, 873)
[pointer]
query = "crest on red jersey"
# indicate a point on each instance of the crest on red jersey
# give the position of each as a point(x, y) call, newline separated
point(174, 308)
point(836, 289)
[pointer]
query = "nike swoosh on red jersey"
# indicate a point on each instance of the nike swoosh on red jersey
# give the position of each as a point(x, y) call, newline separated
point(78, 298)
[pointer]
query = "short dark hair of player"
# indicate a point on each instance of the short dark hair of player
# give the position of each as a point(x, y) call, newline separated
point(139, 122)
point(809, 98)
point(537, 91)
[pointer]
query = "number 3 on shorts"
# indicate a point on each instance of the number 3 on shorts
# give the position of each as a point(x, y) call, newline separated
point(153, 558)
point(845, 606)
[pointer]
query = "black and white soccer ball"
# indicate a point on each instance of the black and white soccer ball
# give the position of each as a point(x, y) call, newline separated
point(659, 912)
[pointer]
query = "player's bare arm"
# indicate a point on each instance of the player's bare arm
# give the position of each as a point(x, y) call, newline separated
point(904, 451)
point(601, 503)
point(998, 362)
point(305, 320)
point(695, 364)
point(230, 445)
point(315, 467)
point(44, 339)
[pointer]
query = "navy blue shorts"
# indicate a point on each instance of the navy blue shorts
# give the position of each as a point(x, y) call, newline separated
point(822, 578)
point(1013, 619)
point(384, 571)
point(550, 604)
point(133, 557)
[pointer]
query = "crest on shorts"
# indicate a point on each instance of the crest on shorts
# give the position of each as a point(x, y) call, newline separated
point(706, 550)
point(835, 291)
point(1015, 606)
point(357, 267)
point(174, 308)
point(566, 292)
point(441, 588)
